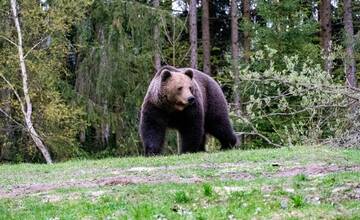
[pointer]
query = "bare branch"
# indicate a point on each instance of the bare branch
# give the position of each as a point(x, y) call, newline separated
point(351, 87)
point(18, 123)
point(307, 109)
point(8, 40)
point(256, 132)
point(37, 44)
point(260, 135)
point(11, 118)
point(15, 92)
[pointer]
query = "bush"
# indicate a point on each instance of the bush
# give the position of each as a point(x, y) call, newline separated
point(292, 103)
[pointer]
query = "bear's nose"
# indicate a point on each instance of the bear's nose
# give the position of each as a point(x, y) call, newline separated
point(191, 100)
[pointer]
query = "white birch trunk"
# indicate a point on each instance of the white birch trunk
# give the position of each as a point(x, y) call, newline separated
point(28, 111)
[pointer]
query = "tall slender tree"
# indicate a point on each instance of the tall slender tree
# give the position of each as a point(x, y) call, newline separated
point(6, 125)
point(350, 68)
point(247, 19)
point(325, 32)
point(206, 36)
point(157, 56)
point(27, 106)
point(235, 52)
point(193, 33)
point(104, 129)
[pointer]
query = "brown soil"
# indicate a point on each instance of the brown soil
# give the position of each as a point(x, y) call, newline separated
point(153, 175)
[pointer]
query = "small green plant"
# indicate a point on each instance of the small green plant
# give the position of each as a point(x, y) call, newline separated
point(329, 181)
point(301, 177)
point(298, 201)
point(181, 197)
point(208, 190)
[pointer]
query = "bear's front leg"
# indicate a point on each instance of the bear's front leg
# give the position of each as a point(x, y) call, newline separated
point(192, 139)
point(152, 133)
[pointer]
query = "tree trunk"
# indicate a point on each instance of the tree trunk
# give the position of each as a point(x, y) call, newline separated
point(246, 40)
point(349, 42)
point(325, 32)
point(193, 34)
point(27, 112)
point(206, 36)
point(80, 88)
point(105, 125)
point(157, 57)
point(235, 53)
point(103, 69)
point(7, 138)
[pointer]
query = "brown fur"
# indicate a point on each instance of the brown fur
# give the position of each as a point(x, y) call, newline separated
point(167, 106)
point(177, 90)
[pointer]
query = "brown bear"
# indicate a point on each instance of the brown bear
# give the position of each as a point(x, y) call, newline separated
point(189, 101)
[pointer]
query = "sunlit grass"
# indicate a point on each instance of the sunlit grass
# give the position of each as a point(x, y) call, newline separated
point(218, 195)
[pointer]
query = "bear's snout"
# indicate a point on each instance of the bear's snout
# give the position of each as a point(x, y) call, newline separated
point(191, 100)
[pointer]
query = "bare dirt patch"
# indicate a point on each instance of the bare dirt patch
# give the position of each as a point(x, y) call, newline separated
point(346, 191)
point(154, 175)
point(314, 169)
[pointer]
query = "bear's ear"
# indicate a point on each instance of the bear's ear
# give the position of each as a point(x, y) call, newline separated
point(189, 73)
point(165, 75)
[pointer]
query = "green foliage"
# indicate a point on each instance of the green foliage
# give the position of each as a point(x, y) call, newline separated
point(290, 102)
point(288, 27)
point(94, 61)
point(208, 190)
point(181, 197)
point(300, 178)
point(116, 50)
point(91, 107)
point(298, 201)
point(57, 118)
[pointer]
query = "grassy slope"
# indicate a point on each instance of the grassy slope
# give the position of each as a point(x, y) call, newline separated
point(218, 195)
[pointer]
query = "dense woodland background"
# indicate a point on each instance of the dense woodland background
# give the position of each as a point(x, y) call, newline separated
point(73, 85)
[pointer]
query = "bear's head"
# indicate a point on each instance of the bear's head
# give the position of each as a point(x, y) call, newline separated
point(177, 88)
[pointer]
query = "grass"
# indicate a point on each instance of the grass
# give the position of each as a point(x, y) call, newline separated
point(224, 185)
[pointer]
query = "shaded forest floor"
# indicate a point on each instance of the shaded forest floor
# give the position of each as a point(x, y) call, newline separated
point(300, 182)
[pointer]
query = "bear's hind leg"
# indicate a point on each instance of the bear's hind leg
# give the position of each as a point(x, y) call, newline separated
point(222, 131)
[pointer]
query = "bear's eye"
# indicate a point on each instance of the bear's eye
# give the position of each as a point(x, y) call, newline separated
point(180, 88)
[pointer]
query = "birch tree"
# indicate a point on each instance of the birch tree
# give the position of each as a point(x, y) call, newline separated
point(25, 102)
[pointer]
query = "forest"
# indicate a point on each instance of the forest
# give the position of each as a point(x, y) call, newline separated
point(73, 74)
